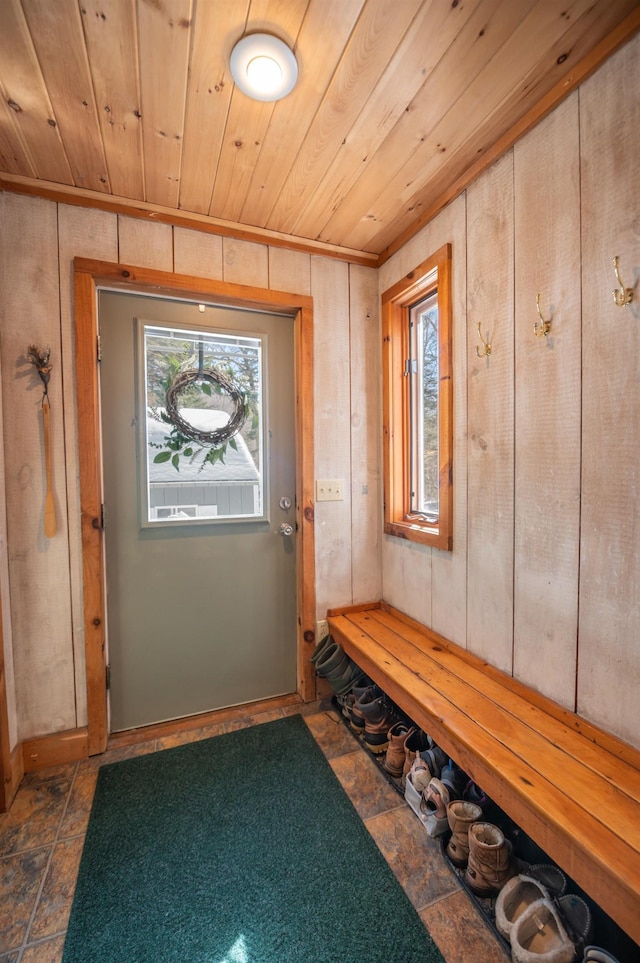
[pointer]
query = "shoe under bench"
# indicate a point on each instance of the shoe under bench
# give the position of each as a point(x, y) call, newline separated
point(572, 787)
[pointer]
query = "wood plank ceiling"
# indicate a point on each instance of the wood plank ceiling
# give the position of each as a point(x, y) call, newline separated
point(396, 99)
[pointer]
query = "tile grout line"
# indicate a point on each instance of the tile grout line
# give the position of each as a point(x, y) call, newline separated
point(26, 942)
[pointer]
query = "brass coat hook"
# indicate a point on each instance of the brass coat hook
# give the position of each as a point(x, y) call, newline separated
point(486, 346)
point(540, 327)
point(622, 296)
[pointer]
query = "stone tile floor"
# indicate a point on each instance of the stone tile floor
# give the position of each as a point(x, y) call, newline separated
point(41, 841)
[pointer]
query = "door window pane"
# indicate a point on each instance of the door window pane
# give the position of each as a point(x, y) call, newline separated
point(203, 432)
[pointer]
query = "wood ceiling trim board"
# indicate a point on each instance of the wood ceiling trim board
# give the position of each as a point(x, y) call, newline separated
point(490, 28)
point(209, 96)
point(110, 32)
point(248, 120)
point(33, 119)
point(379, 30)
point(80, 197)
point(323, 35)
point(584, 69)
point(492, 88)
point(163, 39)
point(399, 85)
point(56, 28)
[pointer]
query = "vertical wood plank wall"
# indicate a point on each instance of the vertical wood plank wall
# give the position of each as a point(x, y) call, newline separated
point(544, 577)
point(42, 590)
point(547, 469)
point(609, 620)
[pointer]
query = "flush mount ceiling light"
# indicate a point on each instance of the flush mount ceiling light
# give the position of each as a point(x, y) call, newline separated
point(263, 67)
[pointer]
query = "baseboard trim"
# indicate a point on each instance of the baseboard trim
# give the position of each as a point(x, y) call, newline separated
point(55, 749)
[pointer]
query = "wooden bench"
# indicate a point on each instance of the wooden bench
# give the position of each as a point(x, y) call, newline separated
point(573, 788)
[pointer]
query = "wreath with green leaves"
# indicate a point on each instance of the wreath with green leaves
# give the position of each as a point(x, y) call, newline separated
point(179, 442)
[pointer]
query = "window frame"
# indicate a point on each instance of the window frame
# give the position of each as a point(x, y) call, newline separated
point(434, 272)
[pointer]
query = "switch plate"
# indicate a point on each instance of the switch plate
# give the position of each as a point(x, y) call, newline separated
point(322, 629)
point(329, 490)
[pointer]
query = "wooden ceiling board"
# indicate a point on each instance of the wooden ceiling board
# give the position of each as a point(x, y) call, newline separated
point(494, 90)
point(130, 103)
point(110, 32)
point(57, 34)
point(488, 30)
point(248, 120)
point(413, 61)
point(31, 118)
point(375, 37)
point(465, 142)
point(163, 38)
point(323, 35)
point(208, 97)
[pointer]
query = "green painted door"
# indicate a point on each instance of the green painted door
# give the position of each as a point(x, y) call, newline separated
point(197, 413)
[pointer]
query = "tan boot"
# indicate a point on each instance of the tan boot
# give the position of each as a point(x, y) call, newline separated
point(394, 760)
point(461, 815)
point(490, 863)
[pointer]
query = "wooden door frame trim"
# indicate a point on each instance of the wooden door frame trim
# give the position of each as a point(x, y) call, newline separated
point(89, 276)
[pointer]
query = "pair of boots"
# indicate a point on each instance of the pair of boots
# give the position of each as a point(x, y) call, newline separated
point(334, 665)
point(374, 717)
point(490, 862)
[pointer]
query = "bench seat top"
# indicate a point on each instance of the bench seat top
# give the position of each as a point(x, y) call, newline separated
point(572, 787)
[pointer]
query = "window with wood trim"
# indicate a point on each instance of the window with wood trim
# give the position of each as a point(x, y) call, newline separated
point(418, 404)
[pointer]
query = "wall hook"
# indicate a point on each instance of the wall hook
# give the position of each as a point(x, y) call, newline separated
point(540, 327)
point(622, 296)
point(486, 346)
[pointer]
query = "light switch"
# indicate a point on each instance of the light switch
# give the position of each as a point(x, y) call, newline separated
point(329, 490)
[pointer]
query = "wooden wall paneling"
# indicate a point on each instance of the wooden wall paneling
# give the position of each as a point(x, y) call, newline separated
point(376, 35)
point(8, 705)
point(11, 770)
point(547, 405)
point(81, 233)
point(406, 566)
point(145, 244)
point(58, 28)
point(197, 253)
point(449, 569)
point(27, 129)
point(490, 415)
point(325, 29)
point(366, 435)
point(289, 270)
point(163, 40)
point(244, 262)
point(406, 577)
point(332, 425)
point(609, 621)
point(38, 566)
point(110, 37)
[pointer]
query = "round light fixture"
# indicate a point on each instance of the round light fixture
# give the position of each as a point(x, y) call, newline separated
point(263, 67)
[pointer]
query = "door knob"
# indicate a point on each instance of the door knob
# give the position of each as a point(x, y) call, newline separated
point(286, 529)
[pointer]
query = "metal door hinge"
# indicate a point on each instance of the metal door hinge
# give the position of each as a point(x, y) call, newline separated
point(108, 676)
point(410, 367)
point(98, 348)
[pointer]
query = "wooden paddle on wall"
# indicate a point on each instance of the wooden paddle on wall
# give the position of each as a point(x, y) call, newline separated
point(49, 505)
point(41, 360)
